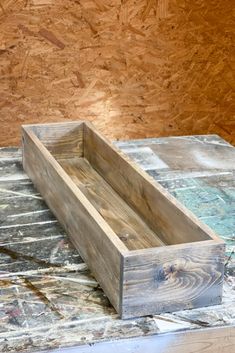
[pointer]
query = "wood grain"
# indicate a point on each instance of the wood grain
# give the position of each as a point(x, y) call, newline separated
point(97, 243)
point(172, 278)
point(63, 140)
point(212, 340)
point(129, 227)
point(173, 223)
point(121, 221)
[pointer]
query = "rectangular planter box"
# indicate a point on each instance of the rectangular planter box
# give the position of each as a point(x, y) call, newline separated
point(147, 251)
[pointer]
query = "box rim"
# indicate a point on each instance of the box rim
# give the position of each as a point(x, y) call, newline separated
point(182, 246)
point(178, 205)
point(95, 214)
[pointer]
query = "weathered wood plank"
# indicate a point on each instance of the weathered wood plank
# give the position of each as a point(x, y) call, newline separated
point(167, 217)
point(85, 203)
point(129, 227)
point(213, 340)
point(97, 243)
point(200, 174)
point(172, 278)
point(63, 140)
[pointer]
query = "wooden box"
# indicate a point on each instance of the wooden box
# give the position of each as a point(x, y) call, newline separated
point(147, 251)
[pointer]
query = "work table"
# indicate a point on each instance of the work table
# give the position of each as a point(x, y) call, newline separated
point(49, 299)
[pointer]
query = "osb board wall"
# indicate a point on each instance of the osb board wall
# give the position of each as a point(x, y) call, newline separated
point(136, 68)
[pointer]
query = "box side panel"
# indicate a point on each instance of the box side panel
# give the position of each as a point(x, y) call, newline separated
point(63, 140)
point(172, 279)
point(72, 210)
point(172, 222)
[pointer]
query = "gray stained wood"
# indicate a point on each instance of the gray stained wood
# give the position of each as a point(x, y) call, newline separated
point(174, 278)
point(173, 223)
point(97, 243)
point(113, 211)
point(62, 140)
point(80, 316)
point(124, 221)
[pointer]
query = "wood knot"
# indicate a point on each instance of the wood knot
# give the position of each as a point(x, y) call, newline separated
point(169, 270)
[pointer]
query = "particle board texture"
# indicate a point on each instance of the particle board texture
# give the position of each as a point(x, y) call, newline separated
point(49, 299)
point(135, 68)
point(147, 251)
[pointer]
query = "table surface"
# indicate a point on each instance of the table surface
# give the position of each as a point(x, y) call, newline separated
point(49, 298)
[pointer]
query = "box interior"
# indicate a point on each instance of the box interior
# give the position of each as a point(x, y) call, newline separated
point(67, 147)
